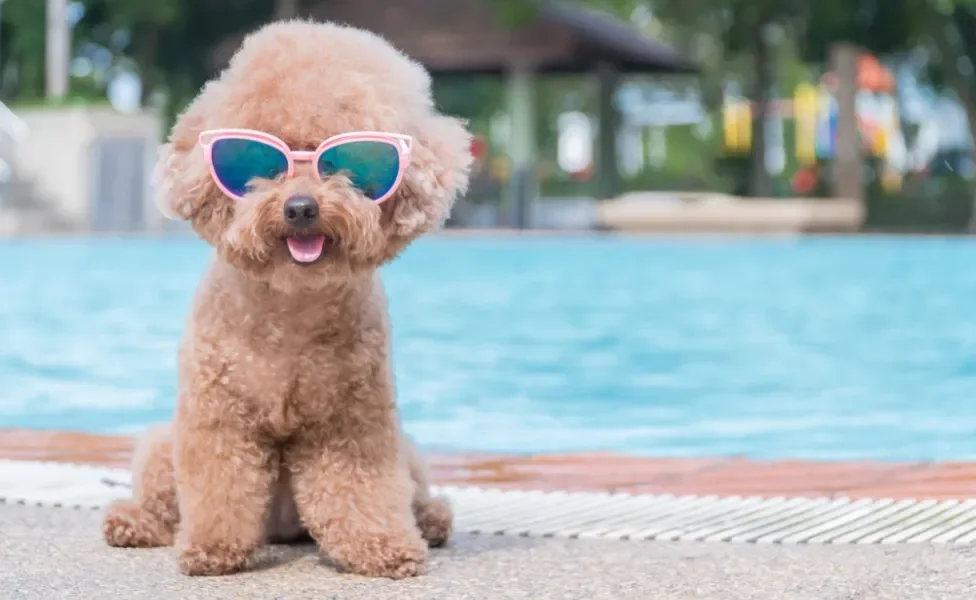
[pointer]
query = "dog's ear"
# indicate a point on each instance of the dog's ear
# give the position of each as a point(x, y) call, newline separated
point(178, 181)
point(438, 175)
point(181, 178)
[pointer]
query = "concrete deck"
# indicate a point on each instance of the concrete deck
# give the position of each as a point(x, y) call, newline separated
point(53, 553)
point(50, 553)
point(598, 472)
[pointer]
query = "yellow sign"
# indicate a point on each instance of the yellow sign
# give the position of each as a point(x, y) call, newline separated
point(805, 108)
point(737, 121)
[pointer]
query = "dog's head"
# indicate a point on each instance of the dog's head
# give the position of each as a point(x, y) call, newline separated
point(304, 83)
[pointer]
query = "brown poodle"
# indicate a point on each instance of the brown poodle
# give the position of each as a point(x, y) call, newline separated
point(286, 420)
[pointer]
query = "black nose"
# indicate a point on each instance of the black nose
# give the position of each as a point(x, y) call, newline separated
point(301, 211)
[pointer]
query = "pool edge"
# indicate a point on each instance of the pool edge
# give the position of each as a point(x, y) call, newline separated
point(594, 472)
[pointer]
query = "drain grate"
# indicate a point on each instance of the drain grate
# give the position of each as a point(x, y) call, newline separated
point(595, 515)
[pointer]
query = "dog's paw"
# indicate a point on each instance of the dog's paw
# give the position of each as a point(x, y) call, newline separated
point(212, 560)
point(127, 525)
point(402, 570)
point(384, 556)
point(435, 521)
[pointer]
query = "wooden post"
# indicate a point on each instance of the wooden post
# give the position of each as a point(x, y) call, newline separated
point(57, 44)
point(760, 181)
point(523, 187)
point(848, 150)
point(607, 169)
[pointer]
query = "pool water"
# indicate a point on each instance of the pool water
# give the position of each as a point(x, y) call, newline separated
point(817, 348)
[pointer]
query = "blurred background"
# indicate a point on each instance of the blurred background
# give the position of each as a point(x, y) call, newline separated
point(675, 109)
point(761, 121)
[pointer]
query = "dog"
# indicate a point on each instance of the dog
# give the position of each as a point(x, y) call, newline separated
point(313, 159)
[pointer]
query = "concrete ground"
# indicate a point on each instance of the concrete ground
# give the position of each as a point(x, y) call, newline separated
point(57, 553)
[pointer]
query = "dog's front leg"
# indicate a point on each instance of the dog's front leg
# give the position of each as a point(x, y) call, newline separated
point(355, 497)
point(224, 479)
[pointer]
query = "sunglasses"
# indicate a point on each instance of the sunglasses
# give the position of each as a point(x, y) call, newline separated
point(373, 161)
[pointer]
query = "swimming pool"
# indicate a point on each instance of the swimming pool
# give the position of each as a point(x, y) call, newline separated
point(821, 348)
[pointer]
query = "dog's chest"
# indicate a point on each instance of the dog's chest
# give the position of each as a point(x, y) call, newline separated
point(292, 386)
point(284, 374)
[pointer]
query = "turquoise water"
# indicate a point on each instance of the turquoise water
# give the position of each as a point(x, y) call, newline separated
point(817, 348)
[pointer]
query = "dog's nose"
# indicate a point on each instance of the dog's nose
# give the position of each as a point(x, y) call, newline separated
point(301, 211)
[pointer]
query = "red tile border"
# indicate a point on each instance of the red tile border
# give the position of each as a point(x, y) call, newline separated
point(597, 471)
point(925, 480)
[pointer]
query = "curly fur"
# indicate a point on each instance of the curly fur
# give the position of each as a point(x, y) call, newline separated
point(286, 422)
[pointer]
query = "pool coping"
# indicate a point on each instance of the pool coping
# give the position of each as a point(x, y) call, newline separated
point(590, 515)
point(596, 472)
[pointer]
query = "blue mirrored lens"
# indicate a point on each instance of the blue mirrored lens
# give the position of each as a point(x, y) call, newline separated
point(238, 162)
point(371, 166)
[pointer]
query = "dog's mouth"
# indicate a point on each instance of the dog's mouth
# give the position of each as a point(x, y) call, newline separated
point(307, 249)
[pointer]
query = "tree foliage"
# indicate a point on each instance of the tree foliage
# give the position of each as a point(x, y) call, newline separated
point(170, 42)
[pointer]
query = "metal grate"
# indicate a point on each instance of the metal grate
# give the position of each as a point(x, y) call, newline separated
point(595, 515)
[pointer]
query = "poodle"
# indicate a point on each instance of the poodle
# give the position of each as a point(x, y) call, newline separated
point(312, 160)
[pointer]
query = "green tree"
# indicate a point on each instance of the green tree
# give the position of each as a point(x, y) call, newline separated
point(748, 32)
point(146, 22)
point(25, 30)
point(168, 41)
point(22, 50)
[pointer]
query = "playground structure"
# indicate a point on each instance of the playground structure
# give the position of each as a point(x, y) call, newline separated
point(813, 110)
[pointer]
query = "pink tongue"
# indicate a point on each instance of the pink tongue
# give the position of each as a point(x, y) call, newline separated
point(305, 248)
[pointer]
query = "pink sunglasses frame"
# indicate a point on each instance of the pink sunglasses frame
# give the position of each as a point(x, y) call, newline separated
point(402, 143)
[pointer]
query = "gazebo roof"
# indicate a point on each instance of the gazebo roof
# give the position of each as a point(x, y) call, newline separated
point(467, 37)
point(601, 38)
